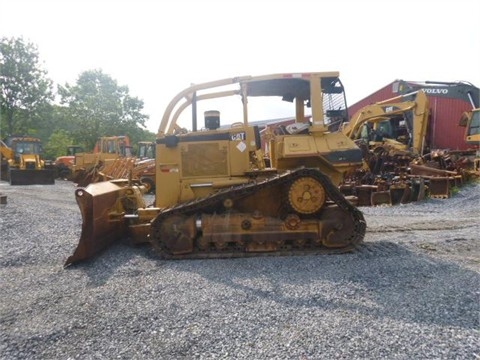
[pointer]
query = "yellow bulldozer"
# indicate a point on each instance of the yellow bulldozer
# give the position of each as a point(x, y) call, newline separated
point(22, 164)
point(85, 166)
point(215, 196)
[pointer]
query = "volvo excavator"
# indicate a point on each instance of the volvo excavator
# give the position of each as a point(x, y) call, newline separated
point(215, 196)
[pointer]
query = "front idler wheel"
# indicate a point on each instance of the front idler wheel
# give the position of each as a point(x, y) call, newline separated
point(175, 235)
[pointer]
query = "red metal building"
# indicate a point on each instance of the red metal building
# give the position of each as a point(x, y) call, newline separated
point(447, 103)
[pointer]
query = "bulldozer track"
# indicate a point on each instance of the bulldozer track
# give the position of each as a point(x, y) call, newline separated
point(214, 203)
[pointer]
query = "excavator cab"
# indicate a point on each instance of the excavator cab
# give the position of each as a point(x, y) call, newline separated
point(471, 121)
point(472, 135)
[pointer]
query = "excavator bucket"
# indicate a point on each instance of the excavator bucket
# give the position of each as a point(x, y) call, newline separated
point(102, 223)
point(438, 180)
point(32, 177)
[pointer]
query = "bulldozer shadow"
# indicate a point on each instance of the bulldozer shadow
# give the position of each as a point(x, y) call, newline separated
point(382, 280)
point(120, 259)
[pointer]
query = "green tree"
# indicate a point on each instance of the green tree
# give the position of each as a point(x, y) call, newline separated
point(26, 92)
point(98, 106)
point(57, 144)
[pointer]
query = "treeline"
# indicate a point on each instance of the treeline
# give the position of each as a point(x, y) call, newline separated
point(70, 114)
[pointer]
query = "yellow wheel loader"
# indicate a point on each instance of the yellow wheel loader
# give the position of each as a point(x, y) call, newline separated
point(215, 197)
point(22, 163)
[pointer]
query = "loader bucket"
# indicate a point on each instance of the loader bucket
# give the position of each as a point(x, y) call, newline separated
point(102, 224)
point(32, 177)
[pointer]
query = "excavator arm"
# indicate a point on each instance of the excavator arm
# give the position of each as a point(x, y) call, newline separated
point(390, 108)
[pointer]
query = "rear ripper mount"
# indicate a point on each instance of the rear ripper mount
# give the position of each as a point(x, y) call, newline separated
point(312, 217)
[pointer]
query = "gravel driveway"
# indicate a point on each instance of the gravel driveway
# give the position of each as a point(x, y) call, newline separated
point(411, 291)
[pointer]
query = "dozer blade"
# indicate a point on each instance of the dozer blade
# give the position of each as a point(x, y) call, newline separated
point(102, 225)
point(32, 177)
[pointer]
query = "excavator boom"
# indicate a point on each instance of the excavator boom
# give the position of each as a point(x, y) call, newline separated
point(415, 113)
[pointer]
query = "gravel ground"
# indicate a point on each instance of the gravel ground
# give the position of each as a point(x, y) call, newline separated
point(410, 292)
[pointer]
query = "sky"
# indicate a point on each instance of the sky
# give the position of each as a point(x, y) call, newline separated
point(158, 48)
